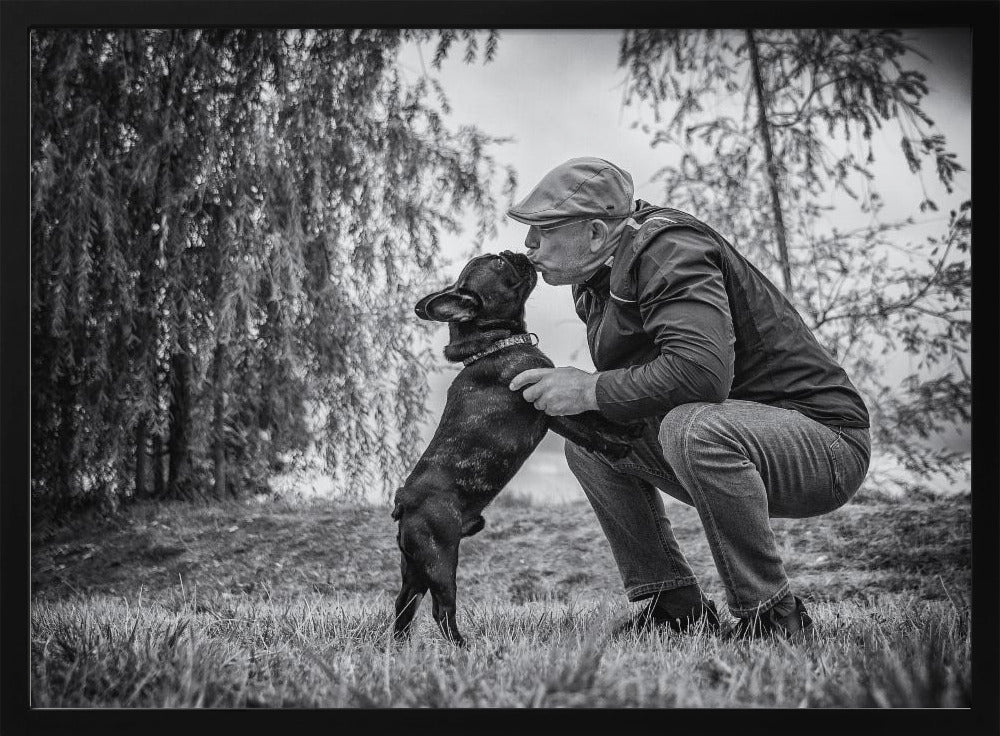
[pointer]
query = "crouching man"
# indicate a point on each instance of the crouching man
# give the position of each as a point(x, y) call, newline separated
point(748, 417)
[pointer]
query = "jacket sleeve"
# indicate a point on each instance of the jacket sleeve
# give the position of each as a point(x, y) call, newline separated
point(685, 310)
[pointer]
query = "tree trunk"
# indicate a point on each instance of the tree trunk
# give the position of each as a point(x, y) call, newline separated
point(179, 442)
point(219, 369)
point(159, 484)
point(267, 421)
point(143, 356)
point(141, 486)
point(219, 422)
point(772, 168)
point(67, 439)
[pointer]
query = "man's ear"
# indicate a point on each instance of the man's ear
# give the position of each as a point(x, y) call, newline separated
point(597, 232)
point(449, 305)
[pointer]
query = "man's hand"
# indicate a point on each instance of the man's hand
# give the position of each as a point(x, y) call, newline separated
point(558, 391)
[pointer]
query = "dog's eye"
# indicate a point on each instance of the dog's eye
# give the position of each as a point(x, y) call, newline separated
point(498, 263)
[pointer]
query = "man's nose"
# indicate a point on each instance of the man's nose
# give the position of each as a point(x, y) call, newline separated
point(532, 239)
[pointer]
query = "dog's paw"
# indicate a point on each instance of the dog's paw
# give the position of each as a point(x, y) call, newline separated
point(635, 430)
point(623, 433)
point(399, 636)
point(616, 450)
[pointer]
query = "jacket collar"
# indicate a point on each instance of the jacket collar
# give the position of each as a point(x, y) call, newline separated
point(600, 280)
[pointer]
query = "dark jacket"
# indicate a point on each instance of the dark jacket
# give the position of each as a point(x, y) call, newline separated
point(680, 316)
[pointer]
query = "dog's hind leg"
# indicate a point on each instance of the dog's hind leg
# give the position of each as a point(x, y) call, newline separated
point(474, 526)
point(410, 595)
point(443, 589)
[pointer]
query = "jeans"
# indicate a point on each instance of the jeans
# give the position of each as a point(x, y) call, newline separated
point(738, 463)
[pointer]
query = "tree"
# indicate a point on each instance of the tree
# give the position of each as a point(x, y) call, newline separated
point(228, 229)
point(773, 125)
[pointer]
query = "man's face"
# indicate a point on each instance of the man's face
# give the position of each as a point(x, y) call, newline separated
point(561, 254)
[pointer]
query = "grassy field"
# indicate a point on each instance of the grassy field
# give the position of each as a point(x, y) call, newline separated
point(289, 605)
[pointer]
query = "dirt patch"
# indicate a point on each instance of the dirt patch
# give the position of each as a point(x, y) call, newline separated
point(525, 553)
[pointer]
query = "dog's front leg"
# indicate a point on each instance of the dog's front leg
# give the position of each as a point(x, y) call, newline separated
point(594, 432)
point(443, 591)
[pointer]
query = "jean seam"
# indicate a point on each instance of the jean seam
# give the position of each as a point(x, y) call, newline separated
point(644, 588)
point(838, 467)
point(844, 495)
point(686, 459)
point(765, 605)
point(644, 469)
point(658, 523)
point(597, 455)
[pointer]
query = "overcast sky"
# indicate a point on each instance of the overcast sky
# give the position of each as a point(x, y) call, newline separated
point(558, 94)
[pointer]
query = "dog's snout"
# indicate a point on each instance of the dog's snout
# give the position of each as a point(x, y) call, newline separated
point(518, 260)
point(521, 263)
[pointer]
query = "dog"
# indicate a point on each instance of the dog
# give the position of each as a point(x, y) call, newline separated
point(486, 431)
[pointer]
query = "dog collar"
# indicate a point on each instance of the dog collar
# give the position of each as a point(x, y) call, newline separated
point(527, 338)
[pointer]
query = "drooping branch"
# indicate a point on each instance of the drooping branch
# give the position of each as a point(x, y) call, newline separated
point(771, 165)
point(811, 102)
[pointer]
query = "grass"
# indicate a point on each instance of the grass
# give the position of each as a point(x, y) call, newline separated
point(289, 605)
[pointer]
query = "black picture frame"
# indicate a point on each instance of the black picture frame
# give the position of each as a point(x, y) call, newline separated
point(18, 17)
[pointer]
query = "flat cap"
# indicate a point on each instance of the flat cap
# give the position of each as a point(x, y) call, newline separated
point(578, 188)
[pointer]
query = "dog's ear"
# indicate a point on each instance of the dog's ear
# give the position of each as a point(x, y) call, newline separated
point(449, 305)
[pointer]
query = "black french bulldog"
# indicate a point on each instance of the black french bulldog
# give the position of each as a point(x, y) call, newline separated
point(486, 432)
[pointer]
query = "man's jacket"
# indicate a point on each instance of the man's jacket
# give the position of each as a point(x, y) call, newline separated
point(680, 316)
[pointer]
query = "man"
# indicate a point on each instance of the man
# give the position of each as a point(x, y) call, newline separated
point(747, 416)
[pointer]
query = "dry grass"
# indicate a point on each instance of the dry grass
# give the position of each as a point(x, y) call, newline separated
point(290, 605)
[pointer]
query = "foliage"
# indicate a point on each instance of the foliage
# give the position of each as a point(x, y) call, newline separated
point(228, 230)
point(775, 128)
